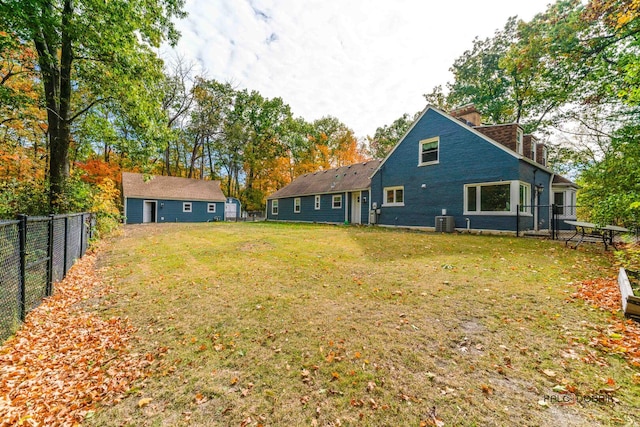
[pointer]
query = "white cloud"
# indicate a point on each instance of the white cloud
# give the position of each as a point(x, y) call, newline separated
point(366, 62)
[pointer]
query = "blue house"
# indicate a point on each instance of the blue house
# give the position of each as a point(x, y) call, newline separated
point(449, 168)
point(447, 172)
point(149, 198)
point(338, 196)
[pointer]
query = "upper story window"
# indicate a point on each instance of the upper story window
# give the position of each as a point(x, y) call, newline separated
point(296, 205)
point(519, 141)
point(317, 203)
point(533, 150)
point(393, 196)
point(274, 207)
point(187, 207)
point(429, 151)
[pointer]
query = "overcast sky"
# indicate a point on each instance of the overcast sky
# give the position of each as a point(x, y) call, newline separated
point(366, 62)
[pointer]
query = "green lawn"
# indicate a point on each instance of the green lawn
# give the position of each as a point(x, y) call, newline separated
point(285, 325)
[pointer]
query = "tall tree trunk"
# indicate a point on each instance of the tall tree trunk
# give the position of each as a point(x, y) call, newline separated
point(56, 79)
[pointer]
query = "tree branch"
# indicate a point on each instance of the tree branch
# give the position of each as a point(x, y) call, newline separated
point(88, 107)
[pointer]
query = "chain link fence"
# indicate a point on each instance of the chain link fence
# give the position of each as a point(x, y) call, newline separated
point(35, 253)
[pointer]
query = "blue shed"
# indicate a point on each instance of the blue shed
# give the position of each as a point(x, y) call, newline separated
point(340, 195)
point(149, 198)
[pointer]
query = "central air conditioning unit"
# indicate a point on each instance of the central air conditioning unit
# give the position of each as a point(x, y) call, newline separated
point(445, 224)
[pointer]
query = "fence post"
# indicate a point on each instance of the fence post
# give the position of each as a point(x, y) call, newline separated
point(554, 225)
point(81, 235)
point(50, 261)
point(22, 239)
point(66, 241)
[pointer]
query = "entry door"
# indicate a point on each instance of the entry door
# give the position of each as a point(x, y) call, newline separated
point(356, 209)
point(149, 212)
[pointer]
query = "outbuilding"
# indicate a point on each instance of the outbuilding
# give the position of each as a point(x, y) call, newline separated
point(153, 198)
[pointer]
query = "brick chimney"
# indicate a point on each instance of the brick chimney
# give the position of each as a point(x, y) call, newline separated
point(467, 114)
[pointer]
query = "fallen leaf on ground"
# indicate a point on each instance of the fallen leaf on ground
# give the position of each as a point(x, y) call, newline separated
point(64, 360)
point(622, 336)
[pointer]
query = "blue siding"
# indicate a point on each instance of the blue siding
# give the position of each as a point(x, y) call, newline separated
point(171, 211)
point(308, 213)
point(464, 158)
point(364, 207)
point(535, 176)
point(133, 212)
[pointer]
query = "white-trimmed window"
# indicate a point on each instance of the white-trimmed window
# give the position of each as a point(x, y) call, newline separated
point(211, 208)
point(497, 198)
point(558, 200)
point(274, 207)
point(524, 199)
point(336, 201)
point(533, 150)
point(565, 202)
point(393, 196)
point(429, 151)
point(519, 141)
point(187, 207)
point(296, 205)
point(316, 203)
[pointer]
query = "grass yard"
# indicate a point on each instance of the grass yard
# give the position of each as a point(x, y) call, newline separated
point(300, 325)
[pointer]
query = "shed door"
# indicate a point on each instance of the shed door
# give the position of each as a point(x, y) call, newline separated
point(356, 210)
point(230, 210)
point(149, 212)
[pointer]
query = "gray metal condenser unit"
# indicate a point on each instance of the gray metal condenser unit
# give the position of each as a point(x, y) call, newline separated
point(445, 224)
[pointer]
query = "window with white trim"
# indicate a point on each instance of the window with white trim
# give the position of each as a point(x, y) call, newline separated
point(187, 207)
point(524, 199)
point(211, 208)
point(558, 200)
point(296, 205)
point(493, 198)
point(316, 203)
point(519, 139)
point(393, 196)
point(533, 151)
point(565, 202)
point(274, 207)
point(336, 201)
point(429, 151)
point(543, 160)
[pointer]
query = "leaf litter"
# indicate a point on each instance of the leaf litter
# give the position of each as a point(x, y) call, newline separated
point(621, 336)
point(65, 360)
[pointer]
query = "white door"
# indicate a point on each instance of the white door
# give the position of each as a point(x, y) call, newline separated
point(230, 211)
point(356, 208)
point(149, 212)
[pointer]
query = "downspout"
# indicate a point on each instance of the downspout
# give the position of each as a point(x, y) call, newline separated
point(535, 201)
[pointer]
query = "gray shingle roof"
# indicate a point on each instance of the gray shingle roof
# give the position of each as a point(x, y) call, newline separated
point(561, 180)
point(346, 178)
point(170, 188)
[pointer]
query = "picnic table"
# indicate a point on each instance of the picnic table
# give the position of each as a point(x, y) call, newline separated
point(588, 231)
